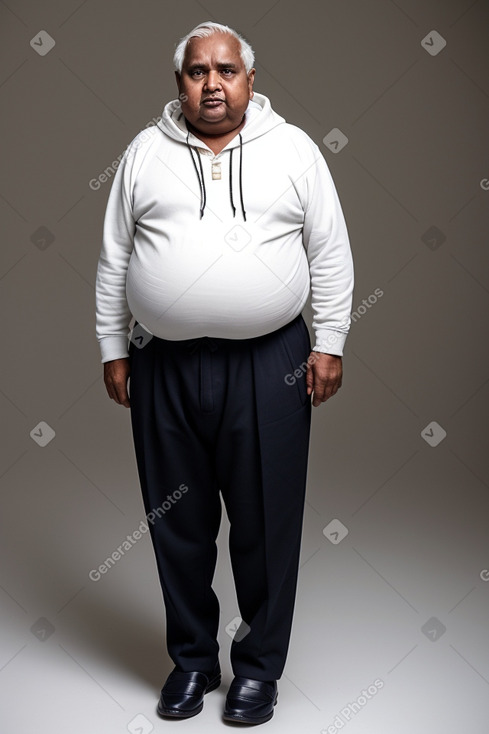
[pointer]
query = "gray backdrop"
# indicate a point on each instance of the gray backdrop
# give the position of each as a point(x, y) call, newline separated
point(390, 633)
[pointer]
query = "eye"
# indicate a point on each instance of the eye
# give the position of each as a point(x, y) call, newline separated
point(197, 72)
point(227, 72)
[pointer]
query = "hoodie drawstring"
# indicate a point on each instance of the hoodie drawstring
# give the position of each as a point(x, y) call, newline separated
point(241, 176)
point(200, 176)
point(231, 181)
point(203, 195)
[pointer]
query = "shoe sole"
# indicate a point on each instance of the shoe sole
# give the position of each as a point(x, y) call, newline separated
point(248, 720)
point(177, 714)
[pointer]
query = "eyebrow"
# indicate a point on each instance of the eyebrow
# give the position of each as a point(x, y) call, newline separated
point(220, 65)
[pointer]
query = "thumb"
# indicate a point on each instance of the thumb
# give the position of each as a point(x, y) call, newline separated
point(309, 379)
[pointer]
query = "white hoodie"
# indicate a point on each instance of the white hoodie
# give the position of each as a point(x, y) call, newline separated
point(179, 259)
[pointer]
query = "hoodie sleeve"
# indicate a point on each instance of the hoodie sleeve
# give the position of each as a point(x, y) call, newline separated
point(112, 312)
point(327, 245)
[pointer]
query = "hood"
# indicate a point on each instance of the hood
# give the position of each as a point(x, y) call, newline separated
point(260, 118)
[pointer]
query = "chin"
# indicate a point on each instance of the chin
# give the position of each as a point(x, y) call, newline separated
point(215, 124)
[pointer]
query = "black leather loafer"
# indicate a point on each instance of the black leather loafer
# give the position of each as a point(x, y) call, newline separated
point(250, 701)
point(183, 694)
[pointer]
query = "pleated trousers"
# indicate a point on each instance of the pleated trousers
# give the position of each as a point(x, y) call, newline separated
point(224, 417)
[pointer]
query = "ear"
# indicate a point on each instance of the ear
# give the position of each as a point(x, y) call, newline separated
point(178, 78)
point(251, 79)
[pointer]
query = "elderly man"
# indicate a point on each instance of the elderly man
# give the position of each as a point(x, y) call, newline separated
point(221, 219)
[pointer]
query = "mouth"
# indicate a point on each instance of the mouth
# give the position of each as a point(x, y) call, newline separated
point(212, 102)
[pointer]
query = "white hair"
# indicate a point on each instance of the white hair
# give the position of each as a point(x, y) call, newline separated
point(203, 30)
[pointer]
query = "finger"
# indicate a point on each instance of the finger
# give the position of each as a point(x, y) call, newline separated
point(122, 396)
point(332, 388)
point(318, 396)
point(110, 390)
point(309, 379)
point(117, 391)
point(324, 391)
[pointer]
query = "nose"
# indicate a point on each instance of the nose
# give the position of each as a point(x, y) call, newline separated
point(213, 81)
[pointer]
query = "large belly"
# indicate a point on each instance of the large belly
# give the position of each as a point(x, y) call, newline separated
point(238, 290)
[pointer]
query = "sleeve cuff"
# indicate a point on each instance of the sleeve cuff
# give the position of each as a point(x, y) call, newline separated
point(329, 341)
point(114, 347)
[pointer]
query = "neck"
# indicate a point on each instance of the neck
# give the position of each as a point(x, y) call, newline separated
point(216, 141)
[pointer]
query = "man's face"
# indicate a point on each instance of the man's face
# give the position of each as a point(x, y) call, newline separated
point(213, 86)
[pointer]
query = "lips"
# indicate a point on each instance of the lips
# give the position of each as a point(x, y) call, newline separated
point(212, 101)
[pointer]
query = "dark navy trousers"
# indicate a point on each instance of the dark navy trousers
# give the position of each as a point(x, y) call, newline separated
point(214, 417)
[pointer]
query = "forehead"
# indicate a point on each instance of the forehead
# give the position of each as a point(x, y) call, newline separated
point(218, 48)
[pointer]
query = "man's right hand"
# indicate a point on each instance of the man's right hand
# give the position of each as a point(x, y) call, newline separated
point(116, 373)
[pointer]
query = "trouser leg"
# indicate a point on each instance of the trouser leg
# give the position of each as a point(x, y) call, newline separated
point(261, 457)
point(177, 475)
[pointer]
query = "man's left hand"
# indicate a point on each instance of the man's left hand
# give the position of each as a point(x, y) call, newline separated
point(323, 376)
